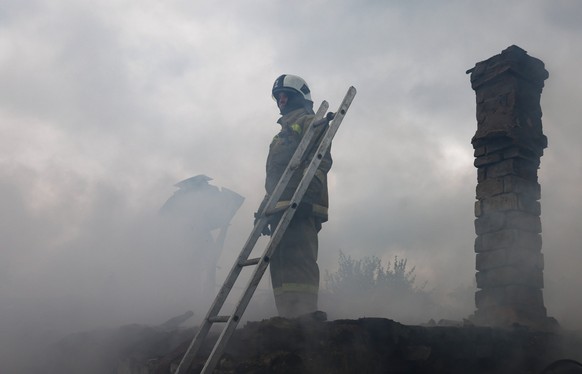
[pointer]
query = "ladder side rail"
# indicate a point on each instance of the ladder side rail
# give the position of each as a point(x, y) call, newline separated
point(325, 143)
point(224, 291)
point(235, 318)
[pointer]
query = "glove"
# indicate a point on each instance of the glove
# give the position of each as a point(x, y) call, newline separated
point(266, 230)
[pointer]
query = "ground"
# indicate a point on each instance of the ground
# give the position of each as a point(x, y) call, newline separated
point(314, 345)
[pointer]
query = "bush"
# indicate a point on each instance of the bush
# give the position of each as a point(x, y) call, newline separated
point(365, 287)
point(368, 274)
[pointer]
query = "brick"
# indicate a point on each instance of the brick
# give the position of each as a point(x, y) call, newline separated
point(531, 316)
point(490, 187)
point(520, 152)
point(501, 169)
point(512, 183)
point(479, 151)
point(497, 240)
point(495, 120)
point(503, 202)
point(524, 257)
point(523, 221)
point(488, 159)
point(492, 144)
point(508, 315)
point(529, 204)
point(478, 210)
point(493, 91)
point(514, 166)
point(526, 296)
point(490, 297)
point(510, 201)
point(491, 259)
point(478, 247)
point(527, 240)
point(481, 174)
point(498, 144)
point(509, 275)
point(509, 238)
point(520, 257)
point(490, 222)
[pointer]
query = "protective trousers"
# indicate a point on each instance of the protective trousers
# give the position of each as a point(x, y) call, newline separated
point(294, 270)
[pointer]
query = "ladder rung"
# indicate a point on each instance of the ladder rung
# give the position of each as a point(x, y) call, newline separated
point(249, 262)
point(219, 319)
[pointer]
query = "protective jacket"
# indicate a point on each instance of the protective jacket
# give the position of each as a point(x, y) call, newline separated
point(293, 126)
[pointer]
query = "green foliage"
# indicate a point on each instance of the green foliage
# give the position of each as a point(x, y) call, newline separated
point(368, 275)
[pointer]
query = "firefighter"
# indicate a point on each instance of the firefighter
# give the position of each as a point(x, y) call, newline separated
point(294, 269)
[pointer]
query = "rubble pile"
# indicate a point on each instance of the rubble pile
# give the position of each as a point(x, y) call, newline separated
point(313, 345)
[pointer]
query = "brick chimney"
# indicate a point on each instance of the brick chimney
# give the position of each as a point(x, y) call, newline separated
point(508, 145)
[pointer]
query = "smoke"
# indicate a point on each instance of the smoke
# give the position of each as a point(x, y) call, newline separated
point(92, 258)
point(103, 108)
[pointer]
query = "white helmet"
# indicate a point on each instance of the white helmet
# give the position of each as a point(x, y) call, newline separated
point(293, 83)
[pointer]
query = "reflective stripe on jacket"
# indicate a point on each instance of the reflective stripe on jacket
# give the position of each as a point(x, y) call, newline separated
point(296, 287)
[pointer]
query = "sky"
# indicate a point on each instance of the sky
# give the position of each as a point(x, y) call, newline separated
point(104, 106)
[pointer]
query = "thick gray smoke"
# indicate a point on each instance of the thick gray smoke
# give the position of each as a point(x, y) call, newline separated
point(104, 107)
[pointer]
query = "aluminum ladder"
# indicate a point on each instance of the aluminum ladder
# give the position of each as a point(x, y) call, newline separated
point(332, 122)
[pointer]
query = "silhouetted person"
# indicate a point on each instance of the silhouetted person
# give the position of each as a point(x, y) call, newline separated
point(194, 211)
